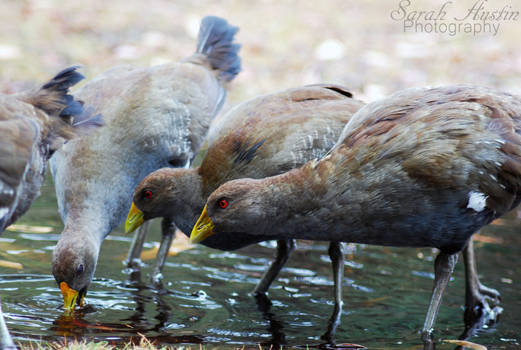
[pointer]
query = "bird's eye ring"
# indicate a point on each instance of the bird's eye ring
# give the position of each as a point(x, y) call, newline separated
point(80, 269)
point(223, 204)
point(147, 194)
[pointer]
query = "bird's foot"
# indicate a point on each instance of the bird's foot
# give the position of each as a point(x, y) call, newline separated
point(428, 339)
point(483, 311)
point(134, 264)
point(489, 294)
point(482, 306)
point(157, 278)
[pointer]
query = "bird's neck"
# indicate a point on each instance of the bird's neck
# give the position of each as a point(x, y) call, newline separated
point(87, 224)
point(189, 201)
point(306, 199)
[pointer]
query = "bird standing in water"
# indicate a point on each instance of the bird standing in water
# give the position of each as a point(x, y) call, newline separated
point(265, 136)
point(421, 168)
point(156, 117)
point(33, 125)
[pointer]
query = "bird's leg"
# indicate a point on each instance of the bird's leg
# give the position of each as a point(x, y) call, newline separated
point(477, 309)
point(336, 253)
point(167, 236)
point(6, 342)
point(136, 247)
point(443, 267)
point(284, 249)
point(476, 294)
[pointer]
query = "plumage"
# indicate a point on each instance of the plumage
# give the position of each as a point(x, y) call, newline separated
point(265, 136)
point(406, 171)
point(34, 124)
point(156, 116)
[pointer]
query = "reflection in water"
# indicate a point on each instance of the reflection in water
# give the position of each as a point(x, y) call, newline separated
point(206, 295)
point(275, 327)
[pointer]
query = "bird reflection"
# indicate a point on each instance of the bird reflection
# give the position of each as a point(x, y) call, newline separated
point(275, 327)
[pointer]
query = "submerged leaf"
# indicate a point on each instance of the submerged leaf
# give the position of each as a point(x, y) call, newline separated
point(11, 265)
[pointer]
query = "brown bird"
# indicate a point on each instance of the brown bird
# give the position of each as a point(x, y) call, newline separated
point(422, 168)
point(265, 136)
point(156, 117)
point(34, 124)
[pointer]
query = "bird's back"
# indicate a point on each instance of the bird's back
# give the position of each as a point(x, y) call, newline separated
point(155, 117)
point(267, 136)
point(433, 165)
point(275, 133)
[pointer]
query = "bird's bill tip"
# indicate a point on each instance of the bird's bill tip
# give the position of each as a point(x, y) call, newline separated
point(70, 297)
point(135, 218)
point(203, 228)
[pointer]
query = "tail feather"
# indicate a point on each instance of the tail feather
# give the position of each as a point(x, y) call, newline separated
point(68, 116)
point(54, 98)
point(215, 42)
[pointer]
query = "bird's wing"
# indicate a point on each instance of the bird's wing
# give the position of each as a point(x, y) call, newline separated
point(19, 135)
point(452, 138)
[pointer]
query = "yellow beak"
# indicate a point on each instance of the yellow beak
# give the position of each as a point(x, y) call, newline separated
point(69, 297)
point(203, 228)
point(134, 219)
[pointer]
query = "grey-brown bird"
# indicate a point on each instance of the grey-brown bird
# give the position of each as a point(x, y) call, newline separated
point(156, 117)
point(265, 136)
point(421, 168)
point(33, 125)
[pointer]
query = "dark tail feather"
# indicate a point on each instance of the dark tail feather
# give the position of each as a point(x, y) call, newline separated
point(53, 96)
point(68, 117)
point(87, 120)
point(215, 41)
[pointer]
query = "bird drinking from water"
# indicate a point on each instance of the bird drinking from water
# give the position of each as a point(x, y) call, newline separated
point(156, 117)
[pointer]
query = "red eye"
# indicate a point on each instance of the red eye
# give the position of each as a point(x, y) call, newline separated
point(223, 203)
point(147, 194)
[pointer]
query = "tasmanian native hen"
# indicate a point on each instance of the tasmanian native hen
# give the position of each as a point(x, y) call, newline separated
point(421, 168)
point(33, 125)
point(156, 117)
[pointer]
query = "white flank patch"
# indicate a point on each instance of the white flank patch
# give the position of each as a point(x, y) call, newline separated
point(477, 201)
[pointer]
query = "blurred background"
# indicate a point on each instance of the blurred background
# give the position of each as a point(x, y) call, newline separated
point(284, 44)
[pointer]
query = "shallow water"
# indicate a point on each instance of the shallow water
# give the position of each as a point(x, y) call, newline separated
point(205, 297)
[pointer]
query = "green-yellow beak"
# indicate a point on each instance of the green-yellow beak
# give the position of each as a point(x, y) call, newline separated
point(134, 219)
point(203, 228)
point(70, 297)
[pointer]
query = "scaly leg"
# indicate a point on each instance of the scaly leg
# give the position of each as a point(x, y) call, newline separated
point(136, 247)
point(167, 236)
point(478, 312)
point(336, 253)
point(476, 294)
point(284, 249)
point(443, 267)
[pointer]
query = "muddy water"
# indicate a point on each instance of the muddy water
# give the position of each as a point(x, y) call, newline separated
point(205, 294)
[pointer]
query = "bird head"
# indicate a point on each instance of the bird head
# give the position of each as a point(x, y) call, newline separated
point(73, 267)
point(160, 194)
point(237, 206)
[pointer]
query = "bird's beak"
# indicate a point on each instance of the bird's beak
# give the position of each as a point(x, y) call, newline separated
point(203, 228)
point(134, 219)
point(70, 297)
